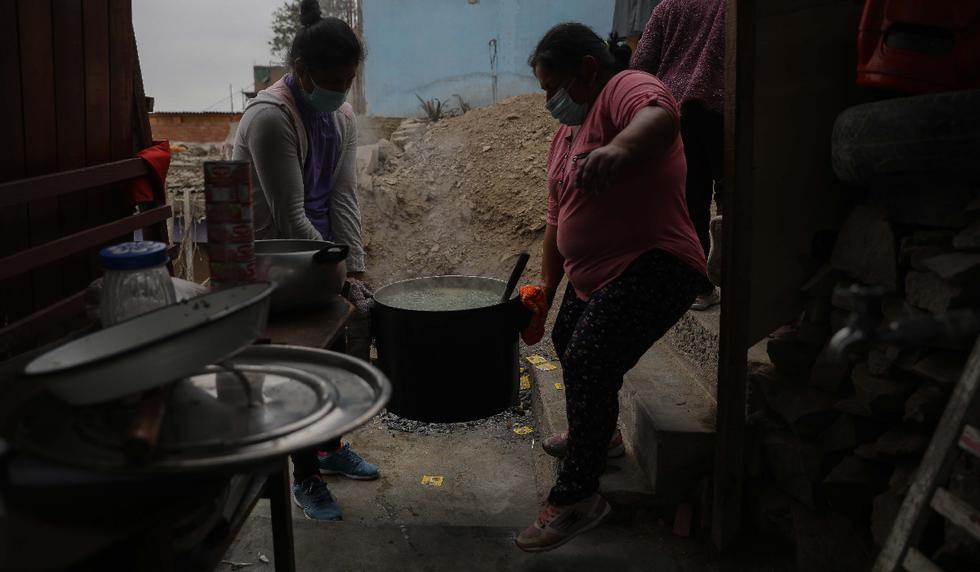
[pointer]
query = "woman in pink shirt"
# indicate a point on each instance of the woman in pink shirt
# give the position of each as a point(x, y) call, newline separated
point(618, 228)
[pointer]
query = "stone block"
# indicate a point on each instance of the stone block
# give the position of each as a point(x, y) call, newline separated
point(791, 356)
point(821, 284)
point(885, 360)
point(969, 237)
point(840, 298)
point(929, 292)
point(865, 248)
point(883, 512)
point(879, 362)
point(829, 374)
point(882, 396)
point(926, 405)
point(961, 268)
point(940, 366)
point(851, 485)
point(941, 207)
point(801, 405)
point(919, 246)
point(899, 442)
point(828, 542)
point(772, 511)
point(388, 150)
point(815, 334)
point(902, 478)
point(853, 405)
point(895, 307)
point(841, 435)
point(795, 465)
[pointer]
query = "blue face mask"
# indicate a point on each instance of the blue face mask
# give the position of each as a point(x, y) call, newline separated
point(565, 110)
point(324, 100)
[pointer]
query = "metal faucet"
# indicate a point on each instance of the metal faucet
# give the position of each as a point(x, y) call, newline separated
point(864, 326)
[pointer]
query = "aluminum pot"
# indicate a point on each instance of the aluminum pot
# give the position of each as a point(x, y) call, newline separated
point(308, 273)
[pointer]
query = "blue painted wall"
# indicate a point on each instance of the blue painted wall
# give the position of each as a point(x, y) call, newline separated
point(437, 48)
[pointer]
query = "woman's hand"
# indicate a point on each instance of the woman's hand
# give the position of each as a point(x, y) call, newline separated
point(601, 167)
point(651, 132)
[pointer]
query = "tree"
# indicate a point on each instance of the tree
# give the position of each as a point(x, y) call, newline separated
point(285, 21)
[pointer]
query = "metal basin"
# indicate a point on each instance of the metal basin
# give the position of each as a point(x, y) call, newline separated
point(305, 280)
point(155, 348)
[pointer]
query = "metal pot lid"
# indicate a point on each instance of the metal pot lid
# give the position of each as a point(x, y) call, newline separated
point(236, 405)
point(308, 397)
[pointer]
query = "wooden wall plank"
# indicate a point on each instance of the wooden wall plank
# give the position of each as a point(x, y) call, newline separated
point(72, 181)
point(16, 297)
point(69, 72)
point(95, 20)
point(805, 64)
point(789, 72)
point(121, 58)
point(736, 260)
point(86, 239)
point(40, 155)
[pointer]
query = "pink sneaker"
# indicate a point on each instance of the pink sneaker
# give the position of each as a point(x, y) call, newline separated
point(556, 525)
point(557, 445)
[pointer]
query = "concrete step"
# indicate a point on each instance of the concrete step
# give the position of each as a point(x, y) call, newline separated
point(695, 338)
point(624, 484)
point(667, 419)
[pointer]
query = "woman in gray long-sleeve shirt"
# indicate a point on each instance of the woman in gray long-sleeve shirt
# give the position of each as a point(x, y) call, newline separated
point(301, 139)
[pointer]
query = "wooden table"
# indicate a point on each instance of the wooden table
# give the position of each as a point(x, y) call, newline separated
point(314, 329)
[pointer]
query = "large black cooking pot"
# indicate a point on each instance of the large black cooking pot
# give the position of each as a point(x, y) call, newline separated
point(448, 365)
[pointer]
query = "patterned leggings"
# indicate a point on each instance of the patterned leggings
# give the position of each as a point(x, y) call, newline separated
point(597, 343)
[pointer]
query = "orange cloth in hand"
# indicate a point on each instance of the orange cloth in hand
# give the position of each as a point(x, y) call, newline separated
point(536, 301)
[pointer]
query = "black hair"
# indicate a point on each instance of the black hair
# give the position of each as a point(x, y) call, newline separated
point(323, 43)
point(563, 47)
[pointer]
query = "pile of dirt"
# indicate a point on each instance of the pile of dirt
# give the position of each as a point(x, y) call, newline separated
point(464, 198)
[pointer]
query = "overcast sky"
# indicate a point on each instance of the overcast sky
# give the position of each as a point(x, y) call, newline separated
point(190, 50)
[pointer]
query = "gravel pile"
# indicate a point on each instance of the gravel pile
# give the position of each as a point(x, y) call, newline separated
point(517, 416)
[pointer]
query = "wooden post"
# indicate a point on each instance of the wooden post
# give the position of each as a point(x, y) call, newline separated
point(277, 488)
point(736, 260)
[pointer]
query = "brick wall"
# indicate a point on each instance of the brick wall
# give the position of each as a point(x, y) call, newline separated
point(192, 127)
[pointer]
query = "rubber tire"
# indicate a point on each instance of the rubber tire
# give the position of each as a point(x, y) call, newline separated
point(910, 139)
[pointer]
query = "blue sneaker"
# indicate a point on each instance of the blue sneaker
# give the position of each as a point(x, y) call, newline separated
point(314, 498)
point(348, 463)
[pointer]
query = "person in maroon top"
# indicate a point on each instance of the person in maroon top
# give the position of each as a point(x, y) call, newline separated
point(618, 228)
point(684, 46)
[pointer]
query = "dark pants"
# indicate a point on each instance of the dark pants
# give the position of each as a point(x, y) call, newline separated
point(306, 464)
point(703, 133)
point(597, 343)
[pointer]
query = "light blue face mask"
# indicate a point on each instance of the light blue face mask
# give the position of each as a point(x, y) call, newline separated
point(565, 110)
point(325, 100)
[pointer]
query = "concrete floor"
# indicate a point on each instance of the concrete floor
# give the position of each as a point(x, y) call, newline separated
point(493, 480)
